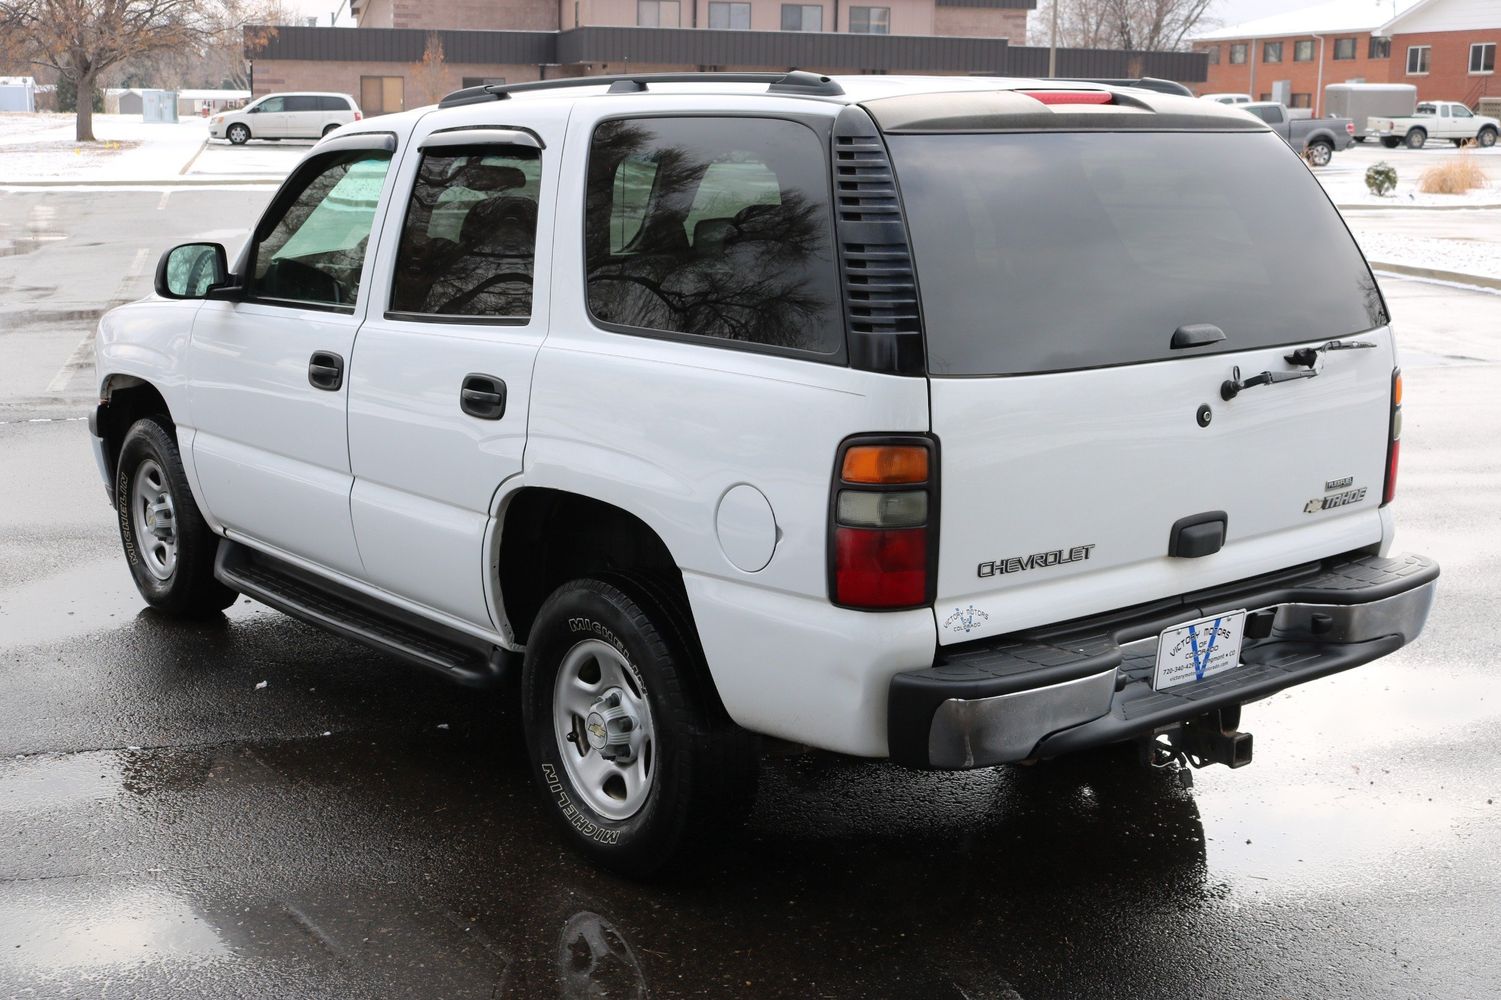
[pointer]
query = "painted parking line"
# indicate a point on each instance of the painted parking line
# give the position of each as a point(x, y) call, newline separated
point(85, 350)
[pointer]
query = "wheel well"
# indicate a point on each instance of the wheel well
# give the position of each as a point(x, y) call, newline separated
point(550, 537)
point(125, 400)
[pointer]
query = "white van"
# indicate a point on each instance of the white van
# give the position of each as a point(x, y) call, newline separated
point(285, 116)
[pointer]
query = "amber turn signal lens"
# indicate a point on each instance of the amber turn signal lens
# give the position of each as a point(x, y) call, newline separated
point(882, 464)
point(1397, 390)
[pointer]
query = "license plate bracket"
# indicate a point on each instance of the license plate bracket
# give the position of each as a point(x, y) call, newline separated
point(1200, 649)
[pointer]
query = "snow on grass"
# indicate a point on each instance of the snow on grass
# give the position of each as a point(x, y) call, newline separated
point(1460, 256)
point(1344, 178)
point(42, 147)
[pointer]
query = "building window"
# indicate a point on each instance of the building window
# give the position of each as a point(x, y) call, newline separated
point(802, 17)
point(1264, 97)
point(1417, 60)
point(1344, 48)
point(870, 20)
point(1301, 101)
point(381, 95)
point(1483, 57)
point(734, 16)
point(1213, 52)
point(658, 14)
point(1380, 48)
point(1271, 52)
point(1237, 53)
point(1303, 51)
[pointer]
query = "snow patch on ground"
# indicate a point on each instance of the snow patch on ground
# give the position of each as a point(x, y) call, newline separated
point(1462, 256)
point(1344, 179)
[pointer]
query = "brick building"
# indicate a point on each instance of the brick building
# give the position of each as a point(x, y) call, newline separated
point(380, 60)
point(1446, 48)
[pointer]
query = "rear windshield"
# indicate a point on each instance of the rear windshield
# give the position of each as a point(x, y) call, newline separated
point(1040, 252)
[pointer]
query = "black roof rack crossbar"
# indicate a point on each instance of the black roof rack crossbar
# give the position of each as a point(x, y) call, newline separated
point(1145, 83)
point(792, 82)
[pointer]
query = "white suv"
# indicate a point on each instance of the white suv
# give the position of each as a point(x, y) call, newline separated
point(285, 116)
point(952, 421)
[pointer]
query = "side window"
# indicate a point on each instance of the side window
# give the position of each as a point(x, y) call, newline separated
point(301, 102)
point(315, 251)
point(271, 104)
point(713, 227)
point(470, 235)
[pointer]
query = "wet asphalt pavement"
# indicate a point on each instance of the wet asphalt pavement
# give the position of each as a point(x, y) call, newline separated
point(355, 828)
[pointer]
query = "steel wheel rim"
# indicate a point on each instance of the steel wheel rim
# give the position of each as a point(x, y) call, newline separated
point(603, 727)
point(153, 515)
point(1321, 155)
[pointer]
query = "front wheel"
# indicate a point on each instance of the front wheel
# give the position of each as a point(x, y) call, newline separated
point(1416, 138)
point(629, 745)
point(1486, 138)
point(1320, 153)
point(168, 545)
point(238, 134)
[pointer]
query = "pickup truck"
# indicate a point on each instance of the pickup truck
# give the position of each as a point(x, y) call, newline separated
point(1435, 120)
point(1316, 138)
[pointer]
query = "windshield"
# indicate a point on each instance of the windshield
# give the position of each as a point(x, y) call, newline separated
point(1042, 252)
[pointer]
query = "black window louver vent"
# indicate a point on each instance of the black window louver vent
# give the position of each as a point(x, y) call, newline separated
point(880, 287)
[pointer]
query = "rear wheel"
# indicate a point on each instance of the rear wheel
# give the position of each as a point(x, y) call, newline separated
point(1391, 142)
point(329, 128)
point(628, 742)
point(238, 134)
point(1320, 153)
point(1416, 138)
point(1487, 137)
point(168, 545)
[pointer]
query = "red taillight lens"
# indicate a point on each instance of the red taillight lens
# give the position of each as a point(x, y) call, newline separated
point(880, 569)
point(358, 116)
point(1350, 127)
point(884, 522)
point(1070, 96)
point(1394, 441)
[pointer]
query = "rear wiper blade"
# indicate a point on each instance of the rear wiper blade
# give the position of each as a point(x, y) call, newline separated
point(1309, 356)
point(1232, 386)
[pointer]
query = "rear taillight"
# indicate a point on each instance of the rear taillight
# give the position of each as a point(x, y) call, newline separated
point(358, 116)
point(1070, 96)
point(1394, 440)
point(1350, 128)
point(884, 513)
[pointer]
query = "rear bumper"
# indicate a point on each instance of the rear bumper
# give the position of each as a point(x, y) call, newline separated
point(1089, 683)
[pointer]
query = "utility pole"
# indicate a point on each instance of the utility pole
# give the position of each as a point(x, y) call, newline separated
point(1053, 44)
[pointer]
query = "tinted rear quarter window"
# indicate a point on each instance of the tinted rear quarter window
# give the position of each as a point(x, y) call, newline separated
point(1044, 252)
point(300, 102)
point(719, 228)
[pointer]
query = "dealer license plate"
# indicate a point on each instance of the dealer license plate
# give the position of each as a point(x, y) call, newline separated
point(1188, 653)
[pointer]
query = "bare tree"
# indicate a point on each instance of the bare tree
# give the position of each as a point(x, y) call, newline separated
point(81, 39)
point(1136, 25)
point(430, 76)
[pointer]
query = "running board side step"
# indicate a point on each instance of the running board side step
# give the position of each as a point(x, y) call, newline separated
point(464, 658)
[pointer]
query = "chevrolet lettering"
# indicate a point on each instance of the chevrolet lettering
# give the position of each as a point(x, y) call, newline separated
point(1037, 560)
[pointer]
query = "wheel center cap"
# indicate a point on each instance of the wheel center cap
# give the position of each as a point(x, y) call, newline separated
point(610, 726)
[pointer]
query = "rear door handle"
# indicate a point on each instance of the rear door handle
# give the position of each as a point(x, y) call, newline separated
point(483, 396)
point(325, 370)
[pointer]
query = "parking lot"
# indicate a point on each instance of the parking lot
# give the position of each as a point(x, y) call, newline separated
point(253, 808)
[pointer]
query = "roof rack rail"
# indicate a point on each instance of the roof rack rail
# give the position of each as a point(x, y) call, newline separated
point(1145, 83)
point(792, 82)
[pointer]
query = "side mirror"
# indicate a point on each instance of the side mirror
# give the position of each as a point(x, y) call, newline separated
point(190, 270)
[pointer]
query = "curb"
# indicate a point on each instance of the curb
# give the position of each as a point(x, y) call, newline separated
point(1401, 207)
point(147, 182)
point(1458, 277)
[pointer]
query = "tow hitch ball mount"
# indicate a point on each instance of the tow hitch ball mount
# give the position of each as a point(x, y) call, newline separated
point(1212, 738)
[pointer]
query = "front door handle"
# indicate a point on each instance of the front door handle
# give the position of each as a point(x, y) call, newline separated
point(325, 370)
point(483, 396)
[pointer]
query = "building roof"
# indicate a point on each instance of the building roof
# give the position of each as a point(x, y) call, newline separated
point(1321, 19)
